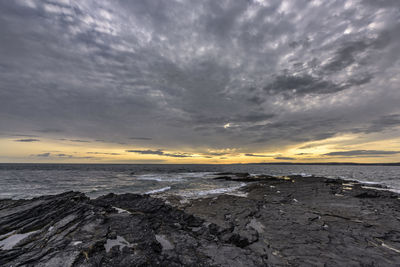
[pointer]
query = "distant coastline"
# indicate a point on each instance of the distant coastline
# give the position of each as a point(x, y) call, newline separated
point(327, 163)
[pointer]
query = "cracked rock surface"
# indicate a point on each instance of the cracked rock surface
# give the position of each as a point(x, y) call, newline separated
point(288, 221)
point(310, 221)
point(114, 230)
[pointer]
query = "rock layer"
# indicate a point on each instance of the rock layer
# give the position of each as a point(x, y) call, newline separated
point(287, 221)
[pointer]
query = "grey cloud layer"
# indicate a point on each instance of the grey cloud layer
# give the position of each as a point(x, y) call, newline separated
point(362, 153)
point(284, 158)
point(27, 140)
point(58, 156)
point(258, 155)
point(208, 74)
point(160, 153)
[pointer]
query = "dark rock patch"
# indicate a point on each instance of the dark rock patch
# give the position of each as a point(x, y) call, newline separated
point(114, 230)
point(283, 221)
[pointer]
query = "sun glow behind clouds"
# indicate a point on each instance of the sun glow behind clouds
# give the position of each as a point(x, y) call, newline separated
point(82, 151)
point(199, 81)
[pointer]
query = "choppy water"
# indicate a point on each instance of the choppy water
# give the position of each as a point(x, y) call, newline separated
point(30, 180)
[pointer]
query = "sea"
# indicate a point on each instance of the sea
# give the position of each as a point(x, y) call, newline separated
point(24, 181)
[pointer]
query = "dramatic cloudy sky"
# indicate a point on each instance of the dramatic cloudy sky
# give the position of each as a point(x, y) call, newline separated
point(199, 81)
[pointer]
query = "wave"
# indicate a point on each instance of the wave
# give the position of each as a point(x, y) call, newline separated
point(175, 177)
point(158, 190)
point(160, 179)
point(302, 174)
point(202, 193)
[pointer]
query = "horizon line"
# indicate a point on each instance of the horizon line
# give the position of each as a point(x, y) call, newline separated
point(250, 163)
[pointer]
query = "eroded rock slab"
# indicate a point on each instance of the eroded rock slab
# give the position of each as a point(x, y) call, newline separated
point(113, 230)
point(310, 221)
point(283, 221)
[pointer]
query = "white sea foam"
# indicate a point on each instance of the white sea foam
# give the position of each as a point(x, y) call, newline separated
point(216, 191)
point(174, 177)
point(158, 190)
point(388, 188)
point(195, 174)
point(159, 178)
point(302, 174)
point(32, 181)
point(364, 182)
point(351, 179)
point(237, 194)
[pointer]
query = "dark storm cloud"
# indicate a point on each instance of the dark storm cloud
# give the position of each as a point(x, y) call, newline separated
point(384, 122)
point(345, 56)
point(209, 74)
point(297, 129)
point(285, 158)
point(361, 153)
point(147, 152)
point(44, 155)
point(306, 84)
point(27, 140)
point(381, 124)
point(63, 155)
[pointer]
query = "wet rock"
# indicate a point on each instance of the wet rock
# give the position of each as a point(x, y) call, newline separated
point(71, 230)
point(243, 177)
point(311, 221)
point(367, 195)
point(319, 229)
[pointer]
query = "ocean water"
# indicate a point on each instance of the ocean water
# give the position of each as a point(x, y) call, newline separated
point(30, 180)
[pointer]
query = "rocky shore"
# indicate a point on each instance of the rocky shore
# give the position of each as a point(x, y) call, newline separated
point(274, 221)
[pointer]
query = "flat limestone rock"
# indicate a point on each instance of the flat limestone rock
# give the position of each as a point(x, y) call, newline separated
point(71, 230)
point(284, 221)
point(311, 221)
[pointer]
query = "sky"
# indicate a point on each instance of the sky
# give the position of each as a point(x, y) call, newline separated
point(189, 81)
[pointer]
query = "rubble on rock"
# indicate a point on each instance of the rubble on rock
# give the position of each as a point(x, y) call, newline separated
point(299, 221)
